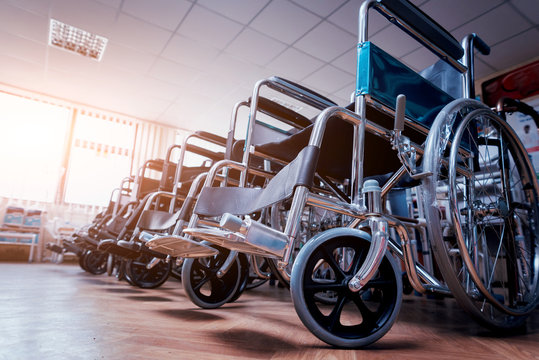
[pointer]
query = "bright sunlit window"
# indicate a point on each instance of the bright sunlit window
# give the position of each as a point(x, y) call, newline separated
point(32, 138)
point(100, 158)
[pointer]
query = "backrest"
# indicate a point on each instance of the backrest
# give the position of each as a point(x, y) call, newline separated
point(381, 77)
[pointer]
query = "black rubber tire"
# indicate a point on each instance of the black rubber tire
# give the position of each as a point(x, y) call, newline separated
point(201, 283)
point(476, 246)
point(144, 278)
point(95, 262)
point(354, 319)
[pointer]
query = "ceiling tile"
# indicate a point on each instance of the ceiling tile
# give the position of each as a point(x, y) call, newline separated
point(320, 7)
point(21, 73)
point(347, 18)
point(512, 52)
point(254, 47)
point(238, 10)
point(527, 8)
point(329, 79)
point(344, 96)
point(206, 26)
point(189, 52)
point(21, 48)
point(144, 107)
point(320, 42)
point(187, 113)
point(163, 13)
point(211, 85)
point(488, 26)
point(158, 89)
point(115, 81)
point(113, 3)
point(84, 14)
point(294, 64)
point(172, 72)
point(41, 7)
point(69, 63)
point(293, 21)
point(238, 70)
point(140, 35)
point(481, 69)
point(454, 13)
point(127, 58)
point(348, 61)
point(24, 23)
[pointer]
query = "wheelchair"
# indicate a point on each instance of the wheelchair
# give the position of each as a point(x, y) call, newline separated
point(475, 188)
point(84, 242)
point(271, 121)
point(157, 212)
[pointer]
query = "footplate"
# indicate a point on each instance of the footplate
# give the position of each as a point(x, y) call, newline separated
point(110, 246)
point(178, 246)
point(54, 248)
point(251, 244)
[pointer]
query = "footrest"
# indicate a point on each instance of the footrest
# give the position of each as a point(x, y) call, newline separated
point(110, 246)
point(235, 241)
point(69, 246)
point(178, 246)
point(54, 248)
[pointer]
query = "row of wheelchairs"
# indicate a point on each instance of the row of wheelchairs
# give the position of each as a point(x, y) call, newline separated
point(415, 177)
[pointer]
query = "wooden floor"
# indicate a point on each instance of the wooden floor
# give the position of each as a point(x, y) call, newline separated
point(50, 311)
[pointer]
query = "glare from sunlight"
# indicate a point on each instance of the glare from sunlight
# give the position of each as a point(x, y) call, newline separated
point(32, 140)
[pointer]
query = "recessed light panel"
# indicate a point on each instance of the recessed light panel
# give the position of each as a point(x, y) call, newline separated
point(76, 40)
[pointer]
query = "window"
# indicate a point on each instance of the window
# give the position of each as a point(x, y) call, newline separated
point(100, 158)
point(32, 138)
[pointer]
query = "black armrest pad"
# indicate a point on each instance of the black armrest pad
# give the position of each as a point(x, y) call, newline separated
point(211, 137)
point(215, 156)
point(320, 101)
point(282, 113)
point(425, 25)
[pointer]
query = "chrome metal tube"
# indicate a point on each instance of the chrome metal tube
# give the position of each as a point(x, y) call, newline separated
point(375, 255)
point(293, 225)
point(227, 264)
point(467, 59)
point(335, 205)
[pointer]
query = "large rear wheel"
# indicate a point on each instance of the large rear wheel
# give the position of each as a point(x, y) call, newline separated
point(485, 225)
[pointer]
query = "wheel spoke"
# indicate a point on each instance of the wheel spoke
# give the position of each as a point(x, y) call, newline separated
point(201, 282)
point(335, 315)
point(369, 317)
point(315, 287)
point(332, 262)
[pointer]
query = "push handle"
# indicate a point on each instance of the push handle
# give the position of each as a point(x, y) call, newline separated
point(400, 110)
point(480, 45)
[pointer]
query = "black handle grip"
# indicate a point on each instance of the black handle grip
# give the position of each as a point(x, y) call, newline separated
point(211, 137)
point(480, 45)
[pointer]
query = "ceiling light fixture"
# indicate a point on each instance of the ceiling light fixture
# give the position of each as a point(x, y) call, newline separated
point(76, 40)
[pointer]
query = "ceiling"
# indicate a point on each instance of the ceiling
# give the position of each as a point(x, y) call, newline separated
point(186, 63)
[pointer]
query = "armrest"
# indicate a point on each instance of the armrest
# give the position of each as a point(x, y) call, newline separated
point(301, 93)
point(219, 140)
point(423, 25)
point(215, 156)
point(282, 113)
